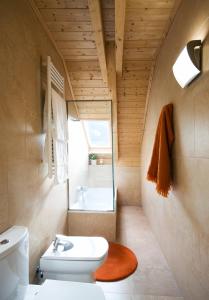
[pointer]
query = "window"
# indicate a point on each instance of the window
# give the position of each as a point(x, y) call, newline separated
point(98, 133)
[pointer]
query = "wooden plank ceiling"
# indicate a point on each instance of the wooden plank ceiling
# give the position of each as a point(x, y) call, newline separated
point(82, 29)
point(93, 110)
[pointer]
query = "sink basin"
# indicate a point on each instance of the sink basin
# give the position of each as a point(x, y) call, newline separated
point(66, 245)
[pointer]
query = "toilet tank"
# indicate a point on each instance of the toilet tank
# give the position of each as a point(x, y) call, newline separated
point(14, 263)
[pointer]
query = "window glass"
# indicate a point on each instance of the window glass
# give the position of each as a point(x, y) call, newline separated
point(98, 133)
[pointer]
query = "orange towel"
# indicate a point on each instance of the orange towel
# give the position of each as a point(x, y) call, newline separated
point(160, 169)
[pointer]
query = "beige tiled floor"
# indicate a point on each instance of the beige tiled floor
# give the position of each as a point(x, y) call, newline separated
point(153, 279)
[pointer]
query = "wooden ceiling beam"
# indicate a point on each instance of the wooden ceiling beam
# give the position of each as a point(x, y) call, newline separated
point(96, 19)
point(112, 84)
point(120, 12)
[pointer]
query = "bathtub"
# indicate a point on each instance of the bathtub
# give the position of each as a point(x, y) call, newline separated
point(95, 214)
point(95, 199)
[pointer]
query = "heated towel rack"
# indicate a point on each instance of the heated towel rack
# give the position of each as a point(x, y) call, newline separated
point(53, 79)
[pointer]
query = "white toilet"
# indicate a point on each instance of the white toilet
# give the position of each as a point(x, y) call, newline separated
point(14, 274)
point(73, 258)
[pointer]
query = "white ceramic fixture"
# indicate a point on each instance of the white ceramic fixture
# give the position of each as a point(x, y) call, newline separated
point(75, 259)
point(14, 274)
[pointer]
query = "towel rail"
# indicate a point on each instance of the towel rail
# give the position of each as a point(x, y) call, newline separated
point(55, 76)
point(56, 79)
point(60, 81)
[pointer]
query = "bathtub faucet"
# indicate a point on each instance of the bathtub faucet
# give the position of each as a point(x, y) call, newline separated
point(82, 188)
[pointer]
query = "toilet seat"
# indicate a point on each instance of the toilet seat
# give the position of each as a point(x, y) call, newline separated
point(84, 248)
point(65, 290)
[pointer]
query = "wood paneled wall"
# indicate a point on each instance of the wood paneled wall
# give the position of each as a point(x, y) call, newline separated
point(87, 80)
point(131, 105)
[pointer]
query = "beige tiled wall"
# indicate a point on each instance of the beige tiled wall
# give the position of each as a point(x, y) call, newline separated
point(181, 222)
point(27, 196)
point(88, 223)
point(127, 181)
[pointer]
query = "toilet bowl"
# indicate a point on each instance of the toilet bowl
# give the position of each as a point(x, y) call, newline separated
point(75, 259)
point(14, 274)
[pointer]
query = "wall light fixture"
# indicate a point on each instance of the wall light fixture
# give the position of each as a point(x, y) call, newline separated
point(188, 63)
